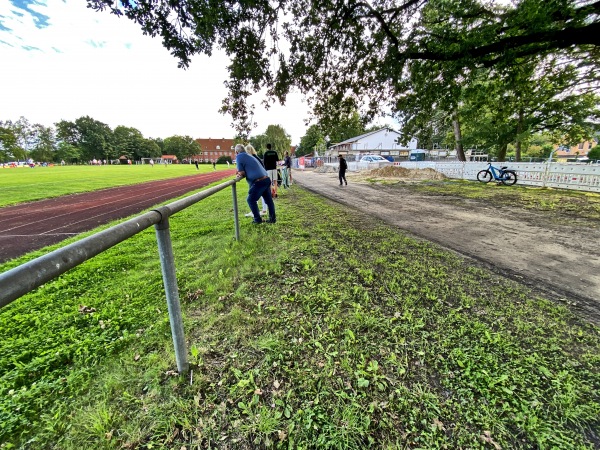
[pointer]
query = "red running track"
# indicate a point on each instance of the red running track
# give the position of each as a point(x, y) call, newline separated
point(31, 226)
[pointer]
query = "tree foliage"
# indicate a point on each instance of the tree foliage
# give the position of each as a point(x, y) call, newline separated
point(594, 153)
point(181, 146)
point(313, 140)
point(354, 55)
point(275, 135)
point(44, 145)
point(8, 143)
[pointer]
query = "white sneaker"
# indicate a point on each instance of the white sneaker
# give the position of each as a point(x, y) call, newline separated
point(263, 213)
point(249, 215)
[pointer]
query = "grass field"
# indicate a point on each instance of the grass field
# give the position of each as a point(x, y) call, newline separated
point(327, 330)
point(24, 184)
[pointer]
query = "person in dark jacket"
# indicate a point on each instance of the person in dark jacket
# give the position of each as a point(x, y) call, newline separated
point(287, 167)
point(343, 168)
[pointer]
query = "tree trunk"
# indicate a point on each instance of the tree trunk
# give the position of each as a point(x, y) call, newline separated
point(460, 152)
point(502, 152)
point(519, 134)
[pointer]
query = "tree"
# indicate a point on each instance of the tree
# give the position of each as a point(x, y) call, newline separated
point(149, 149)
point(354, 52)
point(128, 141)
point(92, 137)
point(67, 152)
point(311, 141)
point(44, 146)
point(8, 143)
point(274, 135)
point(594, 153)
point(181, 146)
point(24, 137)
point(503, 107)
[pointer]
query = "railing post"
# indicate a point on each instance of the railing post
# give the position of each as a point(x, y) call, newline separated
point(235, 212)
point(167, 263)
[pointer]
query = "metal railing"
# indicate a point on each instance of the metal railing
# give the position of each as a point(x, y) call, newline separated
point(22, 279)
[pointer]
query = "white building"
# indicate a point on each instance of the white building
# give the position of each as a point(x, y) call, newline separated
point(382, 142)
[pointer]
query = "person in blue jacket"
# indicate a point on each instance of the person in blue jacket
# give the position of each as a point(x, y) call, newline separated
point(260, 183)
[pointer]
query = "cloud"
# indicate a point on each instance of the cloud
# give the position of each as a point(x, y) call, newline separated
point(66, 61)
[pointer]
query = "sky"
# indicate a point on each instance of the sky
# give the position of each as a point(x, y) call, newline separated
point(61, 61)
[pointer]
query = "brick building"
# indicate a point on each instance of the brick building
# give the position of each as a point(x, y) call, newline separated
point(213, 149)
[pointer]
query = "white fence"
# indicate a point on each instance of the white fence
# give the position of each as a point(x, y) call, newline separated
point(582, 177)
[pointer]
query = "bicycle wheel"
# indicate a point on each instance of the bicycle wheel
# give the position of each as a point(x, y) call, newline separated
point(485, 176)
point(509, 178)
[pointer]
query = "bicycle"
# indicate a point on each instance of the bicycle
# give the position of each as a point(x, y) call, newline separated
point(501, 175)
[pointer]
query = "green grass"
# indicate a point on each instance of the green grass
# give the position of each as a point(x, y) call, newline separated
point(328, 330)
point(24, 185)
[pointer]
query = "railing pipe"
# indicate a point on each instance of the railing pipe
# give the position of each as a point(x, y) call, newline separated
point(236, 219)
point(20, 280)
point(167, 264)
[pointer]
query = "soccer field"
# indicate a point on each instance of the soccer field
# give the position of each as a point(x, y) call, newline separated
point(23, 184)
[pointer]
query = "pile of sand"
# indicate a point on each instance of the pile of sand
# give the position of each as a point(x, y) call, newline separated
point(400, 173)
point(326, 169)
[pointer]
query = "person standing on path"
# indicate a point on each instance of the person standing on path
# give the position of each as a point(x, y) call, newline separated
point(196, 162)
point(270, 159)
point(214, 165)
point(287, 167)
point(260, 183)
point(342, 170)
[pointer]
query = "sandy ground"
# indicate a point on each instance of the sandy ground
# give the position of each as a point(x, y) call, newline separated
point(560, 262)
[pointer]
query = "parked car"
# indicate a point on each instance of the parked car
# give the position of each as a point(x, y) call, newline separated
point(373, 162)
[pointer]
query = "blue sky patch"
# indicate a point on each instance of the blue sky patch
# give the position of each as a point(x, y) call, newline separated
point(96, 44)
point(2, 27)
point(29, 48)
point(40, 20)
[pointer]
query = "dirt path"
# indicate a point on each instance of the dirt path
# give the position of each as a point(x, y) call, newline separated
point(559, 261)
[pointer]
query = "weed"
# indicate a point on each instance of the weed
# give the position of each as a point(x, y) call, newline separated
point(351, 336)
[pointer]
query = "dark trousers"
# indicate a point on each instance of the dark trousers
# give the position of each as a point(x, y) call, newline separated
point(257, 190)
point(343, 176)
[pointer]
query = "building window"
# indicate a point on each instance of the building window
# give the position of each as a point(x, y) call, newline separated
point(218, 147)
point(581, 146)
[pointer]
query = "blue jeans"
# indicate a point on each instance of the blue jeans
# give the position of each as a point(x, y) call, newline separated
point(257, 190)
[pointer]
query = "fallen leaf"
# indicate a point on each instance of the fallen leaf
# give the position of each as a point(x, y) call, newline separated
point(487, 437)
point(86, 309)
point(136, 358)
